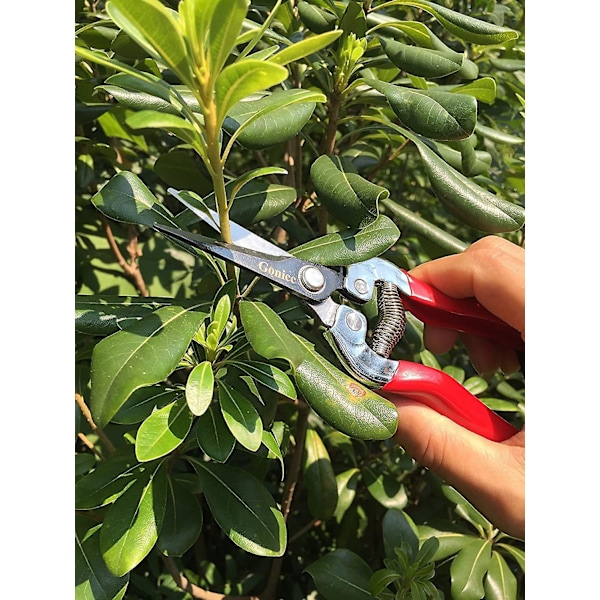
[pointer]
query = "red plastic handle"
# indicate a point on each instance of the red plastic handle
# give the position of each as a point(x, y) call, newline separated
point(461, 314)
point(444, 394)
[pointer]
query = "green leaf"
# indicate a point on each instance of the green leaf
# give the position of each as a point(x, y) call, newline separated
point(152, 119)
point(499, 137)
point(351, 245)
point(398, 527)
point(241, 417)
point(341, 574)
point(155, 28)
point(431, 113)
point(515, 553)
point(199, 388)
point(213, 435)
point(315, 18)
point(348, 196)
point(468, 570)
point(247, 177)
point(500, 582)
point(145, 353)
point(422, 62)
point(243, 508)
point(108, 480)
point(476, 385)
point(93, 580)
point(241, 79)
point(183, 520)
point(126, 198)
point(347, 485)
point(309, 45)
point(272, 119)
point(131, 525)
point(225, 25)
point(467, 201)
point(385, 488)
point(140, 405)
point(465, 509)
point(483, 89)
point(450, 542)
point(268, 334)
point(319, 478)
point(269, 376)
point(271, 443)
point(163, 431)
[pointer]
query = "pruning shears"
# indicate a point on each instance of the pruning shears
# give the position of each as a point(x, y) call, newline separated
point(346, 327)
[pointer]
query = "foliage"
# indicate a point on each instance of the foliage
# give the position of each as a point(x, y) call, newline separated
point(219, 448)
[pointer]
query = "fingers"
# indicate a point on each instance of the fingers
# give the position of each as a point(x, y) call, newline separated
point(470, 463)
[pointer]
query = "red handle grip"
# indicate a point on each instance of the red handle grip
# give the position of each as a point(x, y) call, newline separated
point(444, 394)
point(461, 314)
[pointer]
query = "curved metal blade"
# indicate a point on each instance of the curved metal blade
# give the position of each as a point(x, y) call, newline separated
point(304, 279)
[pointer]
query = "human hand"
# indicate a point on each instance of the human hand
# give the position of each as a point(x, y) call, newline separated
point(490, 474)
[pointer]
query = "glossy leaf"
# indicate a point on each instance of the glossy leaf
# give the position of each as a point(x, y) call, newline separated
point(342, 402)
point(319, 478)
point(468, 569)
point(423, 62)
point(465, 509)
point(316, 19)
point(243, 508)
point(500, 582)
point(154, 27)
point(309, 45)
point(349, 197)
point(517, 554)
point(93, 580)
point(126, 198)
point(476, 385)
point(272, 119)
point(144, 354)
point(183, 520)
point(341, 574)
point(108, 480)
point(271, 443)
point(450, 542)
point(466, 200)
point(347, 485)
point(398, 527)
point(226, 22)
point(499, 137)
point(483, 89)
point(199, 388)
point(213, 436)
point(351, 245)
point(131, 525)
point(269, 376)
point(241, 79)
point(268, 334)
point(384, 488)
point(151, 119)
point(140, 405)
point(241, 417)
point(431, 113)
point(163, 431)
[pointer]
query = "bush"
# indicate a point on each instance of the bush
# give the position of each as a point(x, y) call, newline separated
point(205, 465)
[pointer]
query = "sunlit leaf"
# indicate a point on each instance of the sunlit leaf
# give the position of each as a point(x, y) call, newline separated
point(241, 417)
point(319, 478)
point(199, 388)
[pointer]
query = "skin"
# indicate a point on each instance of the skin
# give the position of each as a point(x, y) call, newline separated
point(490, 474)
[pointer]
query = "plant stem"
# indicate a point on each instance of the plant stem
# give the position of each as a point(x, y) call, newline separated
point(83, 407)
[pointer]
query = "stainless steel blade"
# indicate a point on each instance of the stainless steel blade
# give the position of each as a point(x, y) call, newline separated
point(240, 236)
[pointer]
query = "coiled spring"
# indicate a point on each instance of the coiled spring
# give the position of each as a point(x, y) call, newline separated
point(392, 319)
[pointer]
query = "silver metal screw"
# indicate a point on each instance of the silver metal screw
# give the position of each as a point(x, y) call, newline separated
point(360, 285)
point(312, 279)
point(353, 321)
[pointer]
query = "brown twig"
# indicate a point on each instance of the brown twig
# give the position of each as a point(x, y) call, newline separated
point(88, 417)
point(131, 267)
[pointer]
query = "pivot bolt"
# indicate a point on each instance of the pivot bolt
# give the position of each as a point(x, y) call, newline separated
point(312, 279)
point(360, 285)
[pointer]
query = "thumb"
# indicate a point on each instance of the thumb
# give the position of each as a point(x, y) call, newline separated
point(490, 474)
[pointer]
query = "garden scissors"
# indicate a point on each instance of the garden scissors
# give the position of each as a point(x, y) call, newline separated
point(346, 327)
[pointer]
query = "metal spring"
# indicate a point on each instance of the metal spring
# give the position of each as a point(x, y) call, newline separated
point(392, 319)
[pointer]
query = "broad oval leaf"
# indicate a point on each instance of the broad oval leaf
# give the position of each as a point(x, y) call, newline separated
point(398, 527)
point(342, 402)
point(384, 488)
point(140, 405)
point(431, 113)
point(316, 19)
point(305, 47)
point(154, 27)
point(423, 62)
point(213, 435)
point(243, 78)
point(269, 376)
point(450, 542)
point(183, 520)
point(152, 119)
point(225, 24)
point(131, 525)
point(126, 198)
point(268, 334)
point(466, 200)
point(468, 570)
point(352, 245)
point(347, 484)
point(163, 431)
point(349, 197)
point(241, 417)
point(243, 508)
point(92, 577)
point(145, 353)
point(500, 582)
point(341, 574)
point(319, 478)
point(199, 388)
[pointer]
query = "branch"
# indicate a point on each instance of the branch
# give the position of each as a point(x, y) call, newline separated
point(131, 268)
point(88, 417)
